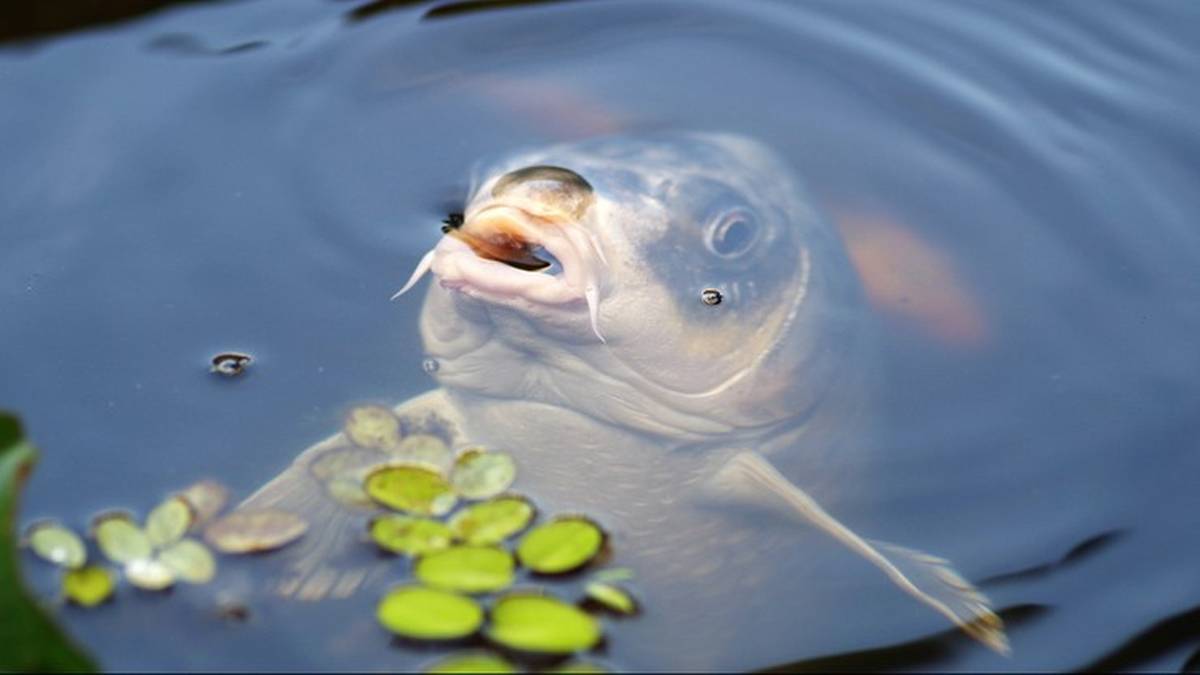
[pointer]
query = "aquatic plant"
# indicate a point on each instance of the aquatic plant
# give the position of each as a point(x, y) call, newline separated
point(29, 639)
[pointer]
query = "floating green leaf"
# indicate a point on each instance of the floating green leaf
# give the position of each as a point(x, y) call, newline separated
point(149, 574)
point(57, 544)
point(562, 545)
point(493, 521)
point(428, 614)
point(254, 531)
point(120, 539)
point(611, 597)
point(206, 498)
point(373, 426)
point(191, 561)
point(539, 623)
point(479, 474)
point(467, 569)
point(88, 586)
point(168, 522)
point(472, 662)
point(411, 487)
point(409, 535)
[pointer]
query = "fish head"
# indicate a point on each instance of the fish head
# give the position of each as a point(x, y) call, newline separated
point(679, 284)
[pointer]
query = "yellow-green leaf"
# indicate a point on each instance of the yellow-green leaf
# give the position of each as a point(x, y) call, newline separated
point(57, 544)
point(409, 535)
point(424, 613)
point(88, 586)
point(120, 539)
point(467, 569)
point(472, 662)
point(412, 488)
point(562, 545)
point(190, 560)
point(539, 623)
point(253, 531)
point(167, 523)
point(493, 521)
point(611, 597)
point(373, 426)
point(479, 474)
point(149, 574)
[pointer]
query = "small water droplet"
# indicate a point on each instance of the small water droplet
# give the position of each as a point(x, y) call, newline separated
point(230, 364)
point(711, 296)
point(430, 365)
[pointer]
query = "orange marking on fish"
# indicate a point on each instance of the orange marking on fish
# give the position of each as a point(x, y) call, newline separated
point(909, 279)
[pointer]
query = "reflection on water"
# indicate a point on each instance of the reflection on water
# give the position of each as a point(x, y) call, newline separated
point(1035, 161)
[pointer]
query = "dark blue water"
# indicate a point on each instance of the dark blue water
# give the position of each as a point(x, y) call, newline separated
point(262, 175)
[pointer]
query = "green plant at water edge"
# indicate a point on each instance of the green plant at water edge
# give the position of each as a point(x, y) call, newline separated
point(29, 640)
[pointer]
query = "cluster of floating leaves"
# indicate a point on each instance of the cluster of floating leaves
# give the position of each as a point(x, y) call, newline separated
point(151, 556)
point(158, 553)
point(459, 556)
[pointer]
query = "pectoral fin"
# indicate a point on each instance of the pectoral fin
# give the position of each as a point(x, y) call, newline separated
point(323, 486)
point(748, 477)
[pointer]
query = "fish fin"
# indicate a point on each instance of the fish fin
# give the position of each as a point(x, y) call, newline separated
point(329, 560)
point(748, 477)
point(321, 563)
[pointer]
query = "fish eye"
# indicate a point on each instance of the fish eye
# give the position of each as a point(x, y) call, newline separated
point(732, 234)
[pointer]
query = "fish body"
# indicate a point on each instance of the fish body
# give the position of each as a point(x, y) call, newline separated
point(572, 323)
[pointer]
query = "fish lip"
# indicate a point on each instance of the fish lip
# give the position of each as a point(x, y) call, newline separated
point(458, 267)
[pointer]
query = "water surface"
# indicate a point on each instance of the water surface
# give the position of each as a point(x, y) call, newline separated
point(262, 175)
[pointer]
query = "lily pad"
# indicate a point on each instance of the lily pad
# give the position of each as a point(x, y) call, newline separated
point(88, 586)
point(120, 539)
point(479, 474)
point(425, 448)
point(149, 574)
point(255, 531)
point(611, 597)
point(562, 545)
point(373, 426)
point(168, 522)
point(472, 662)
point(409, 535)
point(493, 521)
point(539, 623)
point(413, 488)
point(467, 569)
point(191, 561)
point(206, 498)
point(422, 613)
point(57, 544)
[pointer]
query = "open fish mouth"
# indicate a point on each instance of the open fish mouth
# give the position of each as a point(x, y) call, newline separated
point(501, 252)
